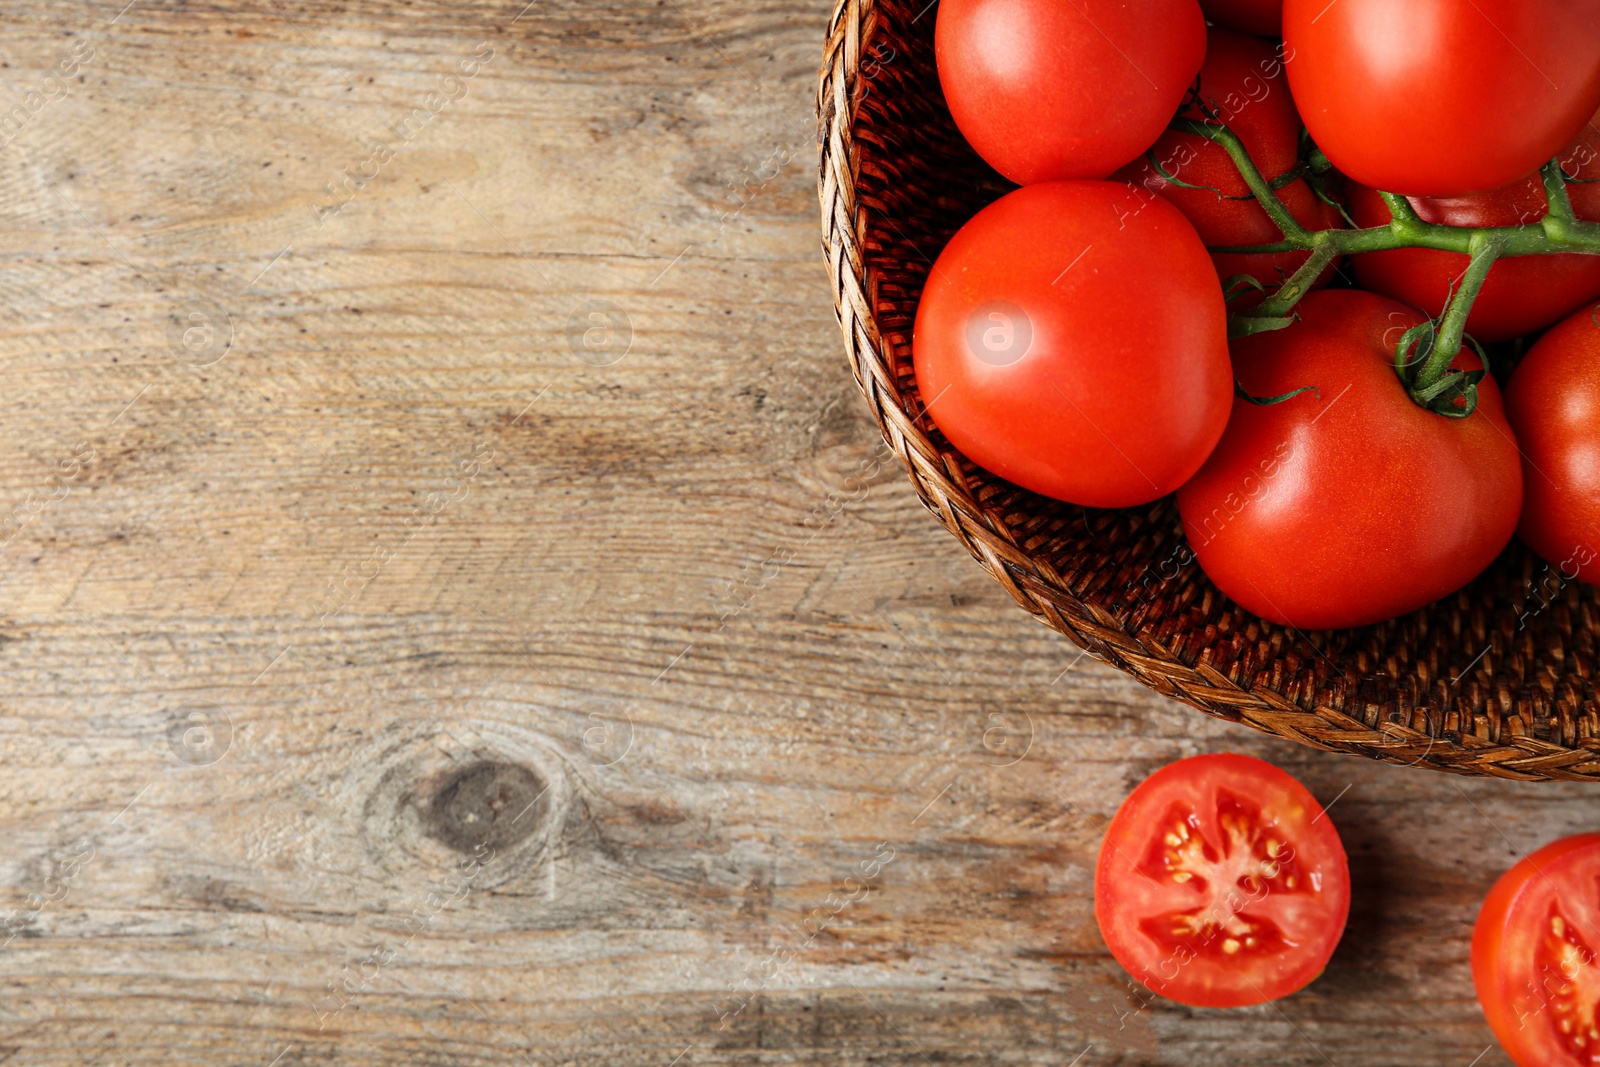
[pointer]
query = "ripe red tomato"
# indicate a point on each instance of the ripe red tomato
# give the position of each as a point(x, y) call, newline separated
point(1521, 294)
point(1349, 505)
point(1443, 97)
point(1242, 81)
point(1264, 17)
point(1080, 354)
point(1045, 89)
point(1553, 402)
point(1533, 956)
point(1222, 883)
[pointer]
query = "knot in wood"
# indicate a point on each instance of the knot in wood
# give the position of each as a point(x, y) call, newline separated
point(487, 803)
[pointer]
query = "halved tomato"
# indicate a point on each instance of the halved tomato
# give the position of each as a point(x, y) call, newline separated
point(1533, 956)
point(1222, 883)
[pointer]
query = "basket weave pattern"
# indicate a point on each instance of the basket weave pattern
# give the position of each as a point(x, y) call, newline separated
point(1498, 679)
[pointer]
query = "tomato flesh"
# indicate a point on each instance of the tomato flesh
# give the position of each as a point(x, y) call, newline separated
point(1563, 952)
point(1533, 956)
point(1221, 883)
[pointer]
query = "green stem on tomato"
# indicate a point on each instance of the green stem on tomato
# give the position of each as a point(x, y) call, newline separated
point(1422, 335)
point(1280, 303)
point(1541, 240)
point(1555, 191)
point(1264, 193)
point(1400, 207)
point(1559, 232)
point(1453, 324)
point(1246, 325)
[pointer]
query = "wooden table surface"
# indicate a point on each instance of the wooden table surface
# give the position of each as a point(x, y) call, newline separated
point(456, 610)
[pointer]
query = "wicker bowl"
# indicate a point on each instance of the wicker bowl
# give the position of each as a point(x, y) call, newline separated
point(1498, 679)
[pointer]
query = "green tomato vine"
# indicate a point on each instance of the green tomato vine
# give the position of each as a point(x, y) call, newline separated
point(1424, 353)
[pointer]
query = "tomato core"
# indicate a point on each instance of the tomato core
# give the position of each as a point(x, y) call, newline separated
point(1229, 875)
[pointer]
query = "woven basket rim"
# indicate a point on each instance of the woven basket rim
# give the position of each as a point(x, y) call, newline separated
point(1032, 581)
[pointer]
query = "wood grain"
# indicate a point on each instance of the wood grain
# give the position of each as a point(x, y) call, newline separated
point(382, 560)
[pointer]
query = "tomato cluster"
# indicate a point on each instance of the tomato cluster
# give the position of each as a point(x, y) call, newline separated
point(1222, 883)
point(1166, 304)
